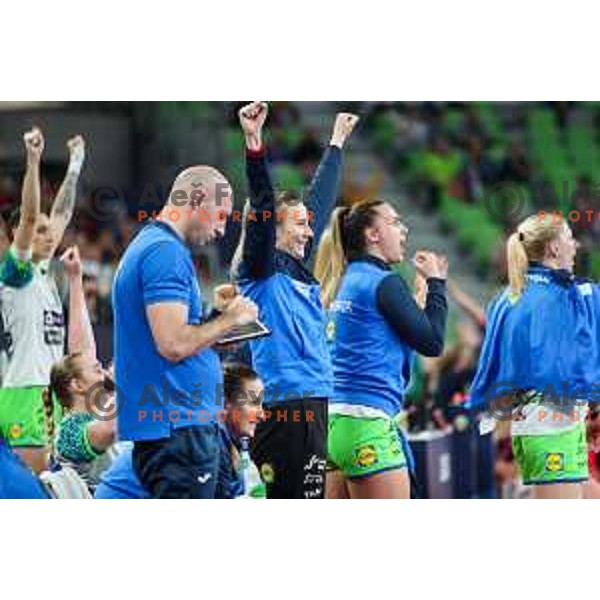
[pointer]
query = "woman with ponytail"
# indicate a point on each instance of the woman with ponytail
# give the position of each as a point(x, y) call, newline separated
point(540, 363)
point(85, 437)
point(375, 327)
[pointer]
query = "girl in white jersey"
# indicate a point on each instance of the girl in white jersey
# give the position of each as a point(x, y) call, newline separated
point(31, 313)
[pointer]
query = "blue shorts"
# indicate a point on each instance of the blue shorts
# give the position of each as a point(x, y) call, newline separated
point(185, 465)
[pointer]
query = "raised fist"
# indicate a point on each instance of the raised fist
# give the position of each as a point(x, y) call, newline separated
point(343, 128)
point(34, 144)
point(76, 146)
point(252, 118)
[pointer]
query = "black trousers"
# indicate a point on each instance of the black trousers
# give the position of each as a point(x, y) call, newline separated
point(290, 449)
point(183, 466)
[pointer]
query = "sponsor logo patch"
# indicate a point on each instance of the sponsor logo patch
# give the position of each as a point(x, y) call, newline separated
point(366, 456)
point(555, 462)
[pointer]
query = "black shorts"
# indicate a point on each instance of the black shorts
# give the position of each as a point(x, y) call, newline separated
point(290, 449)
point(185, 465)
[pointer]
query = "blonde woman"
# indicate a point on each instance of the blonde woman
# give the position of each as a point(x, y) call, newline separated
point(540, 366)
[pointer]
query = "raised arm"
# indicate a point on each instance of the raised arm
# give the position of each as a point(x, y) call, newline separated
point(259, 235)
point(30, 195)
point(81, 334)
point(325, 186)
point(64, 203)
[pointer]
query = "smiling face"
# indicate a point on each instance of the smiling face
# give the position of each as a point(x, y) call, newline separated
point(294, 231)
point(246, 411)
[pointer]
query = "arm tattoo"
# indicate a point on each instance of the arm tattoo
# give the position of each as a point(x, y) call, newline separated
point(64, 203)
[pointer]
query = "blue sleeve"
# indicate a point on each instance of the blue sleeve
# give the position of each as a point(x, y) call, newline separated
point(323, 193)
point(422, 330)
point(165, 274)
point(259, 242)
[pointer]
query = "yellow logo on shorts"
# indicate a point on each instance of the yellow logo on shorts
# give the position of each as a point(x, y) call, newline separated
point(267, 473)
point(15, 431)
point(366, 456)
point(555, 462)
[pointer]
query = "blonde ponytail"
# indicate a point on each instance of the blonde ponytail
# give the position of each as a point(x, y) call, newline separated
point(529, 244)
point(518, 264)
point(331, 261)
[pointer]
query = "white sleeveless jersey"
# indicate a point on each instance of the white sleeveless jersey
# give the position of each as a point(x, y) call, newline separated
point(33, 330)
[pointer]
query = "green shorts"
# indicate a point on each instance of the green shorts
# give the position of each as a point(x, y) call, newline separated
point(360, 447)
point(23, 418)
point(555, 458)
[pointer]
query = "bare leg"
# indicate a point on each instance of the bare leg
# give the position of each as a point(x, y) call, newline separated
point(336, 487)
point(591, 490)
point(391, 485)
point(560, 491)
point(36, 458)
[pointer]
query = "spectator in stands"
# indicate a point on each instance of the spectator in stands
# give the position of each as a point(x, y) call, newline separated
point(479, 170)
point(586, 202)
point(440, 170)
point(563, 111)
point(516, 165)
point(9, 191)
point(308, 153)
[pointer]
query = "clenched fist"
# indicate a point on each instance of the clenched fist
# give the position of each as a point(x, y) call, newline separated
point(343, 128)
point(34, 144)
point(252, 119)
point(431, 265)
point(76, 146)
point(72, 262)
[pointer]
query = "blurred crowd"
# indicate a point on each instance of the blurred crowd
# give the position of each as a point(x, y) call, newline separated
point(462, 150)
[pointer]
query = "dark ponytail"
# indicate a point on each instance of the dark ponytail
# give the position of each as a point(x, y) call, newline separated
point(343, 241)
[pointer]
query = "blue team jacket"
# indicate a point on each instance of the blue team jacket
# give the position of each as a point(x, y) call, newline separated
point(294, 361)
point(546, 340)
